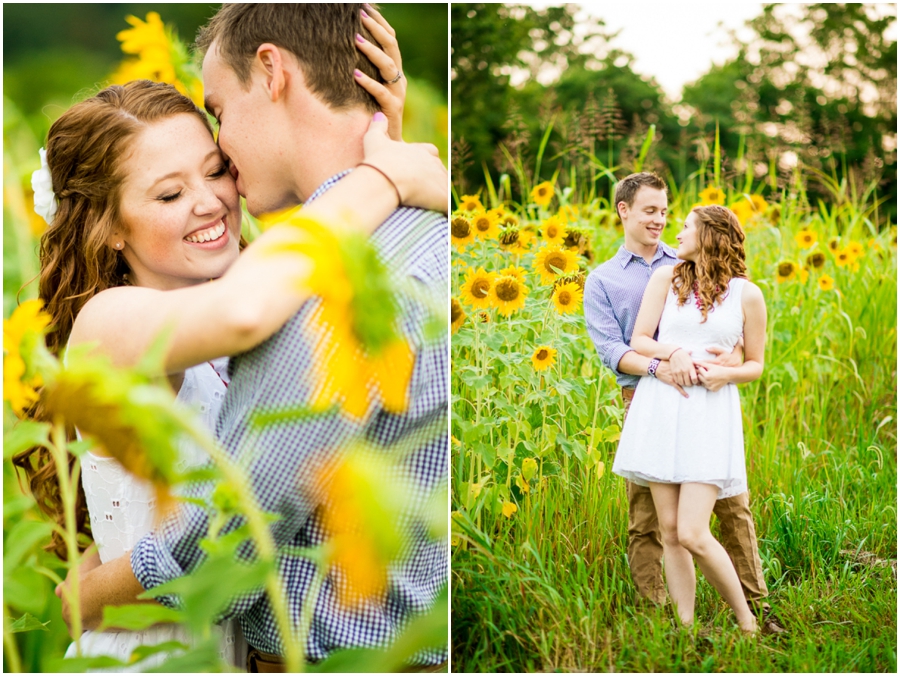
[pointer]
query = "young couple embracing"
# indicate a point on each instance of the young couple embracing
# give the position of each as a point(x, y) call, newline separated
point(680, 328)
point(145, 233)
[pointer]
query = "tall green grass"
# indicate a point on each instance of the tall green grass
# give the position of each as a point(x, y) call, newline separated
point(548, 588)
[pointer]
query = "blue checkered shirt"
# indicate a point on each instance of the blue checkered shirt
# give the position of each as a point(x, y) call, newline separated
point(612, 298)
point(277, 374)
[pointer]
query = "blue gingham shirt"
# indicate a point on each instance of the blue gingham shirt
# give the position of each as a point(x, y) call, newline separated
point(277, 374)
point(612, 298)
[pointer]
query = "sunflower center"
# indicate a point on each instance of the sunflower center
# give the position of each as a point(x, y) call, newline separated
point(817, 260)
point(480, 288)
point(542, 354)
point(460, 228)
point(564, 297)
point(542, 192)
point(507, 290)
point(552, 231)
point(555, 260)
point(785, 269)
point(456, 310)
point(510, 237)
point(483, 224)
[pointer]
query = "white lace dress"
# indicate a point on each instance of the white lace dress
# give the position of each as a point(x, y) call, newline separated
point(121, 508)
point(669, 439)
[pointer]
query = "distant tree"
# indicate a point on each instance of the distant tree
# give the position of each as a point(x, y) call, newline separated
point(830, 97)
point(489, 42)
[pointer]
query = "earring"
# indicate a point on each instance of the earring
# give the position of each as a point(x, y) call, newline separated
point(118, 245)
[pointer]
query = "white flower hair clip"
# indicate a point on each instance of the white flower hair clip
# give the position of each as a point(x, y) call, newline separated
point(45, 202)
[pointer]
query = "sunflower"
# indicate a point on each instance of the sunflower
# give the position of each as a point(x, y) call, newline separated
point(712, 195)
point(775, 214)
point(826, 283)
point(805, 238)
point(843, 258)
point(816, 260)
point(786, 271)
point(470, 203)
point(508, 294)
point(576, 277)
point(568, 214)
point(855, 249)
point(748, 208)
point(20, 382)
point(457, 315)
point(485, 225)
point(743, 210)
point(542, 193)
point(484, 317)
point(543, 358)
point(461, 232)
point(476, 290)
point(834, 244)
point(509, 508)
point(554, 261)
point(553, 230)
point(508, 220)
point(567, 298)
point(516, 240)
point(759, 204)
point(515, 271)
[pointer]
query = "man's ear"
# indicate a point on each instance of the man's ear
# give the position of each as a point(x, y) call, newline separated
point(619, 207)
point(270, 61)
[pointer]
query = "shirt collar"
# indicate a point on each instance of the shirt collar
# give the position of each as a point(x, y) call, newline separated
point(330, 183)
point(624, 256)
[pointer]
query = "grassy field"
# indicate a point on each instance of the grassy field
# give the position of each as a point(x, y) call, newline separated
point(540, 580)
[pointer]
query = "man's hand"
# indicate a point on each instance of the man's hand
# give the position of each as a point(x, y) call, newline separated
point(712, 376)
point(664, 373)
point(724, 358)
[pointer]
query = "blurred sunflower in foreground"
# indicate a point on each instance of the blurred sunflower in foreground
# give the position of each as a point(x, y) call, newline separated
point(157, 55)
point(20, 333)
point(360, 351)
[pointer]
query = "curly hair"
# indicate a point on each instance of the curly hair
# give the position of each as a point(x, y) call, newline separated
point(85, 150)
point(721, 257)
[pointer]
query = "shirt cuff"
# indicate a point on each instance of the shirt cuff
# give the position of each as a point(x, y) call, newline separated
point(614, 356)
point(152, 565)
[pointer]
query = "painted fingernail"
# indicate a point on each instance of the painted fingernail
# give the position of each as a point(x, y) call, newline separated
point(363, 12)
point(360, 38)
point(357, 73)
point(379, 117)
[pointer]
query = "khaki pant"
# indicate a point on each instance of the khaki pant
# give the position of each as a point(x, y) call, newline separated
point(736, 533)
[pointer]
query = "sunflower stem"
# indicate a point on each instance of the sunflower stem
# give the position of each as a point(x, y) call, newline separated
point(294, 654)
point(10, 645)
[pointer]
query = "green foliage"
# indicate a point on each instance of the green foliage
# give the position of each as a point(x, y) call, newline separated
point(768, 101)
point(547, 587)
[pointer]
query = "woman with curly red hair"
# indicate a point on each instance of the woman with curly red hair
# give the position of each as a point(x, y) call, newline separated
point(690, 451)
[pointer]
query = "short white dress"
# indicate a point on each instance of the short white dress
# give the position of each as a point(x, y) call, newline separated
point(122, 510)
point(669, 439)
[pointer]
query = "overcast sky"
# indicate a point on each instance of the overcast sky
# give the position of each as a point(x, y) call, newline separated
point(675, 42)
